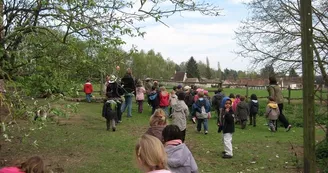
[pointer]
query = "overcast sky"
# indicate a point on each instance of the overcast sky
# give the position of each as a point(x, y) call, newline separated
point(199, 36)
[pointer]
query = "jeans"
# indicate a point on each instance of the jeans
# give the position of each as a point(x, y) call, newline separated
point(227, 141)
point(88, 97)
point(140, 106)
point(200, 122)
point(282, 117)
point(127, 104)
point(166, 110)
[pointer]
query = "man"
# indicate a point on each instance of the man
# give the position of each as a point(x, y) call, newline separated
point(129, 88)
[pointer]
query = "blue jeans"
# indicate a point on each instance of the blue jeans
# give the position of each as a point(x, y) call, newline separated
point(200, 122)
point(127, 103)
point(166, 110)
point(88, 97)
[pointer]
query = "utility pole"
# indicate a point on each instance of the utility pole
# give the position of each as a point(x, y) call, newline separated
point(308, 87)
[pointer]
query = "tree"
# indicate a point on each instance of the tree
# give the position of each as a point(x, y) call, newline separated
point(292, 73)
point(219, 72)
point(192, 68)
point(267, 71)
point(208, 73)
point(101, 22)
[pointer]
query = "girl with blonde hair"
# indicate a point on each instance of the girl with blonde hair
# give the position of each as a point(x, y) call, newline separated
point(164, 98)
point(157, 123)
point(150, 155)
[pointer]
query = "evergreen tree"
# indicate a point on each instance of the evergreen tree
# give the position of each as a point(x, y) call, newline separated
point(192, 68)
point(208, 73)
point(292, 73)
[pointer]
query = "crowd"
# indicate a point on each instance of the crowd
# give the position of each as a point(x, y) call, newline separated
point(162, 149)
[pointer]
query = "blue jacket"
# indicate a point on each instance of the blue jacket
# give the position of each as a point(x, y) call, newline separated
point(196, 107)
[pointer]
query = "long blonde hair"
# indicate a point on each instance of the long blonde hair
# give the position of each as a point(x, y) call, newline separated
point(158, 118)
point(150, 153)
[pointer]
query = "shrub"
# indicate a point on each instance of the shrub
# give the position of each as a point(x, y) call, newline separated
point(322, 155)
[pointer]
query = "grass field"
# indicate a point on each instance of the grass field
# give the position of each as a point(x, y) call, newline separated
point(81, 144)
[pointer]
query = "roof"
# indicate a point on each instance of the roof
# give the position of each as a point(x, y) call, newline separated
point(192, 80)
point(179, 76)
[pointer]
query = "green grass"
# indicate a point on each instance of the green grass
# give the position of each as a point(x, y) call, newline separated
point(81, 144)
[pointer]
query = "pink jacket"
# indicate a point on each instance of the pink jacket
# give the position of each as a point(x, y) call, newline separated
point(10, 170)
point(140, 93)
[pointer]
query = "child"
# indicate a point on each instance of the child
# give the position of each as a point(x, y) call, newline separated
point(200, 109)
point(153, 99)
point(110, 113)
point(173, 99)
point(242, 112)
point(272, 113)
point(253, 109)
point(151, 156)
point(164, 97)
point(228, 129)
point(140, 95)
point(179, 114)
point(32, 165)
point(88, 90)
point(180, 159)
point(232, 98)
point(208, 98)
point(235, 103)
point(157, 123)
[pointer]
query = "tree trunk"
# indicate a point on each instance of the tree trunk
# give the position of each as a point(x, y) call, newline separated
point(308, 87)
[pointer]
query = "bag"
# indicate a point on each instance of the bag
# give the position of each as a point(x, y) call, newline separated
point(203, 114)
point(254, 108)
point(189, 100)
point(152, 96)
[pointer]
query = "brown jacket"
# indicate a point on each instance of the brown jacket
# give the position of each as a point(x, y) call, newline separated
point(156, 131)
point(275, 92)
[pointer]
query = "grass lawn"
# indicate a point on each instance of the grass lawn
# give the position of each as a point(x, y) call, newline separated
point(81, 144)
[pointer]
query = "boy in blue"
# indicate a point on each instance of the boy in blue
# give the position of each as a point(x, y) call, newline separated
point(200, 109)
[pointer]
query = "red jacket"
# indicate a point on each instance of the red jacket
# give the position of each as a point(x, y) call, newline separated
point(164, 100)
point(88, 88)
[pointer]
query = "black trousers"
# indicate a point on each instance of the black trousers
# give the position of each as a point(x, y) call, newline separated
point(118, 110)
point(282, 117)
point(183, 135)
point(252, 119)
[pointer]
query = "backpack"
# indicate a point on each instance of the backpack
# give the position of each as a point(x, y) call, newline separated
point(189, 99)
point(216, 100)
point(254, 108)
point(152, 97)
point(202, 114)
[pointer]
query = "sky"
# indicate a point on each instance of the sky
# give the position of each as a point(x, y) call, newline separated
point(192, 34)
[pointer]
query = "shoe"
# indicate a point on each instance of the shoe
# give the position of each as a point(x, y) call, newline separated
point(224, 152)
point(193, 120)
point(226, 156)
point(119, 121)
point(114, 129)
point(288, 128)
point(206, 132)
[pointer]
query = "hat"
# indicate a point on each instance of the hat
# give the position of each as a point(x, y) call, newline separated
point(179, 87)
point(112, 78)
point(187, 88)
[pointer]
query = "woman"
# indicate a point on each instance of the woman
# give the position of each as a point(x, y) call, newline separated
point(275, 92)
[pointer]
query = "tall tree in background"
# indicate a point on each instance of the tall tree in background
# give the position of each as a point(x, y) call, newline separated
point(292, 73)
point(267, 71)
point(208, 73)
point(192, 68)
point(219, 72)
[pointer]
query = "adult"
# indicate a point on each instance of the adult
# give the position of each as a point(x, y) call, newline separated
point(275, 92)
point(148, 85)
point(129, 88)
point(216, 101)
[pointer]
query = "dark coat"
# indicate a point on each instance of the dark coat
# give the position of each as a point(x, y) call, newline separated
point(128, 83)
point(109, 110)
point(228, 122)
point(153, 99)
point(113, 90)
point(242, 110)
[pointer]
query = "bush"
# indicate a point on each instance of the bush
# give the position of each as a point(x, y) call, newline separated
point(322, 155)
